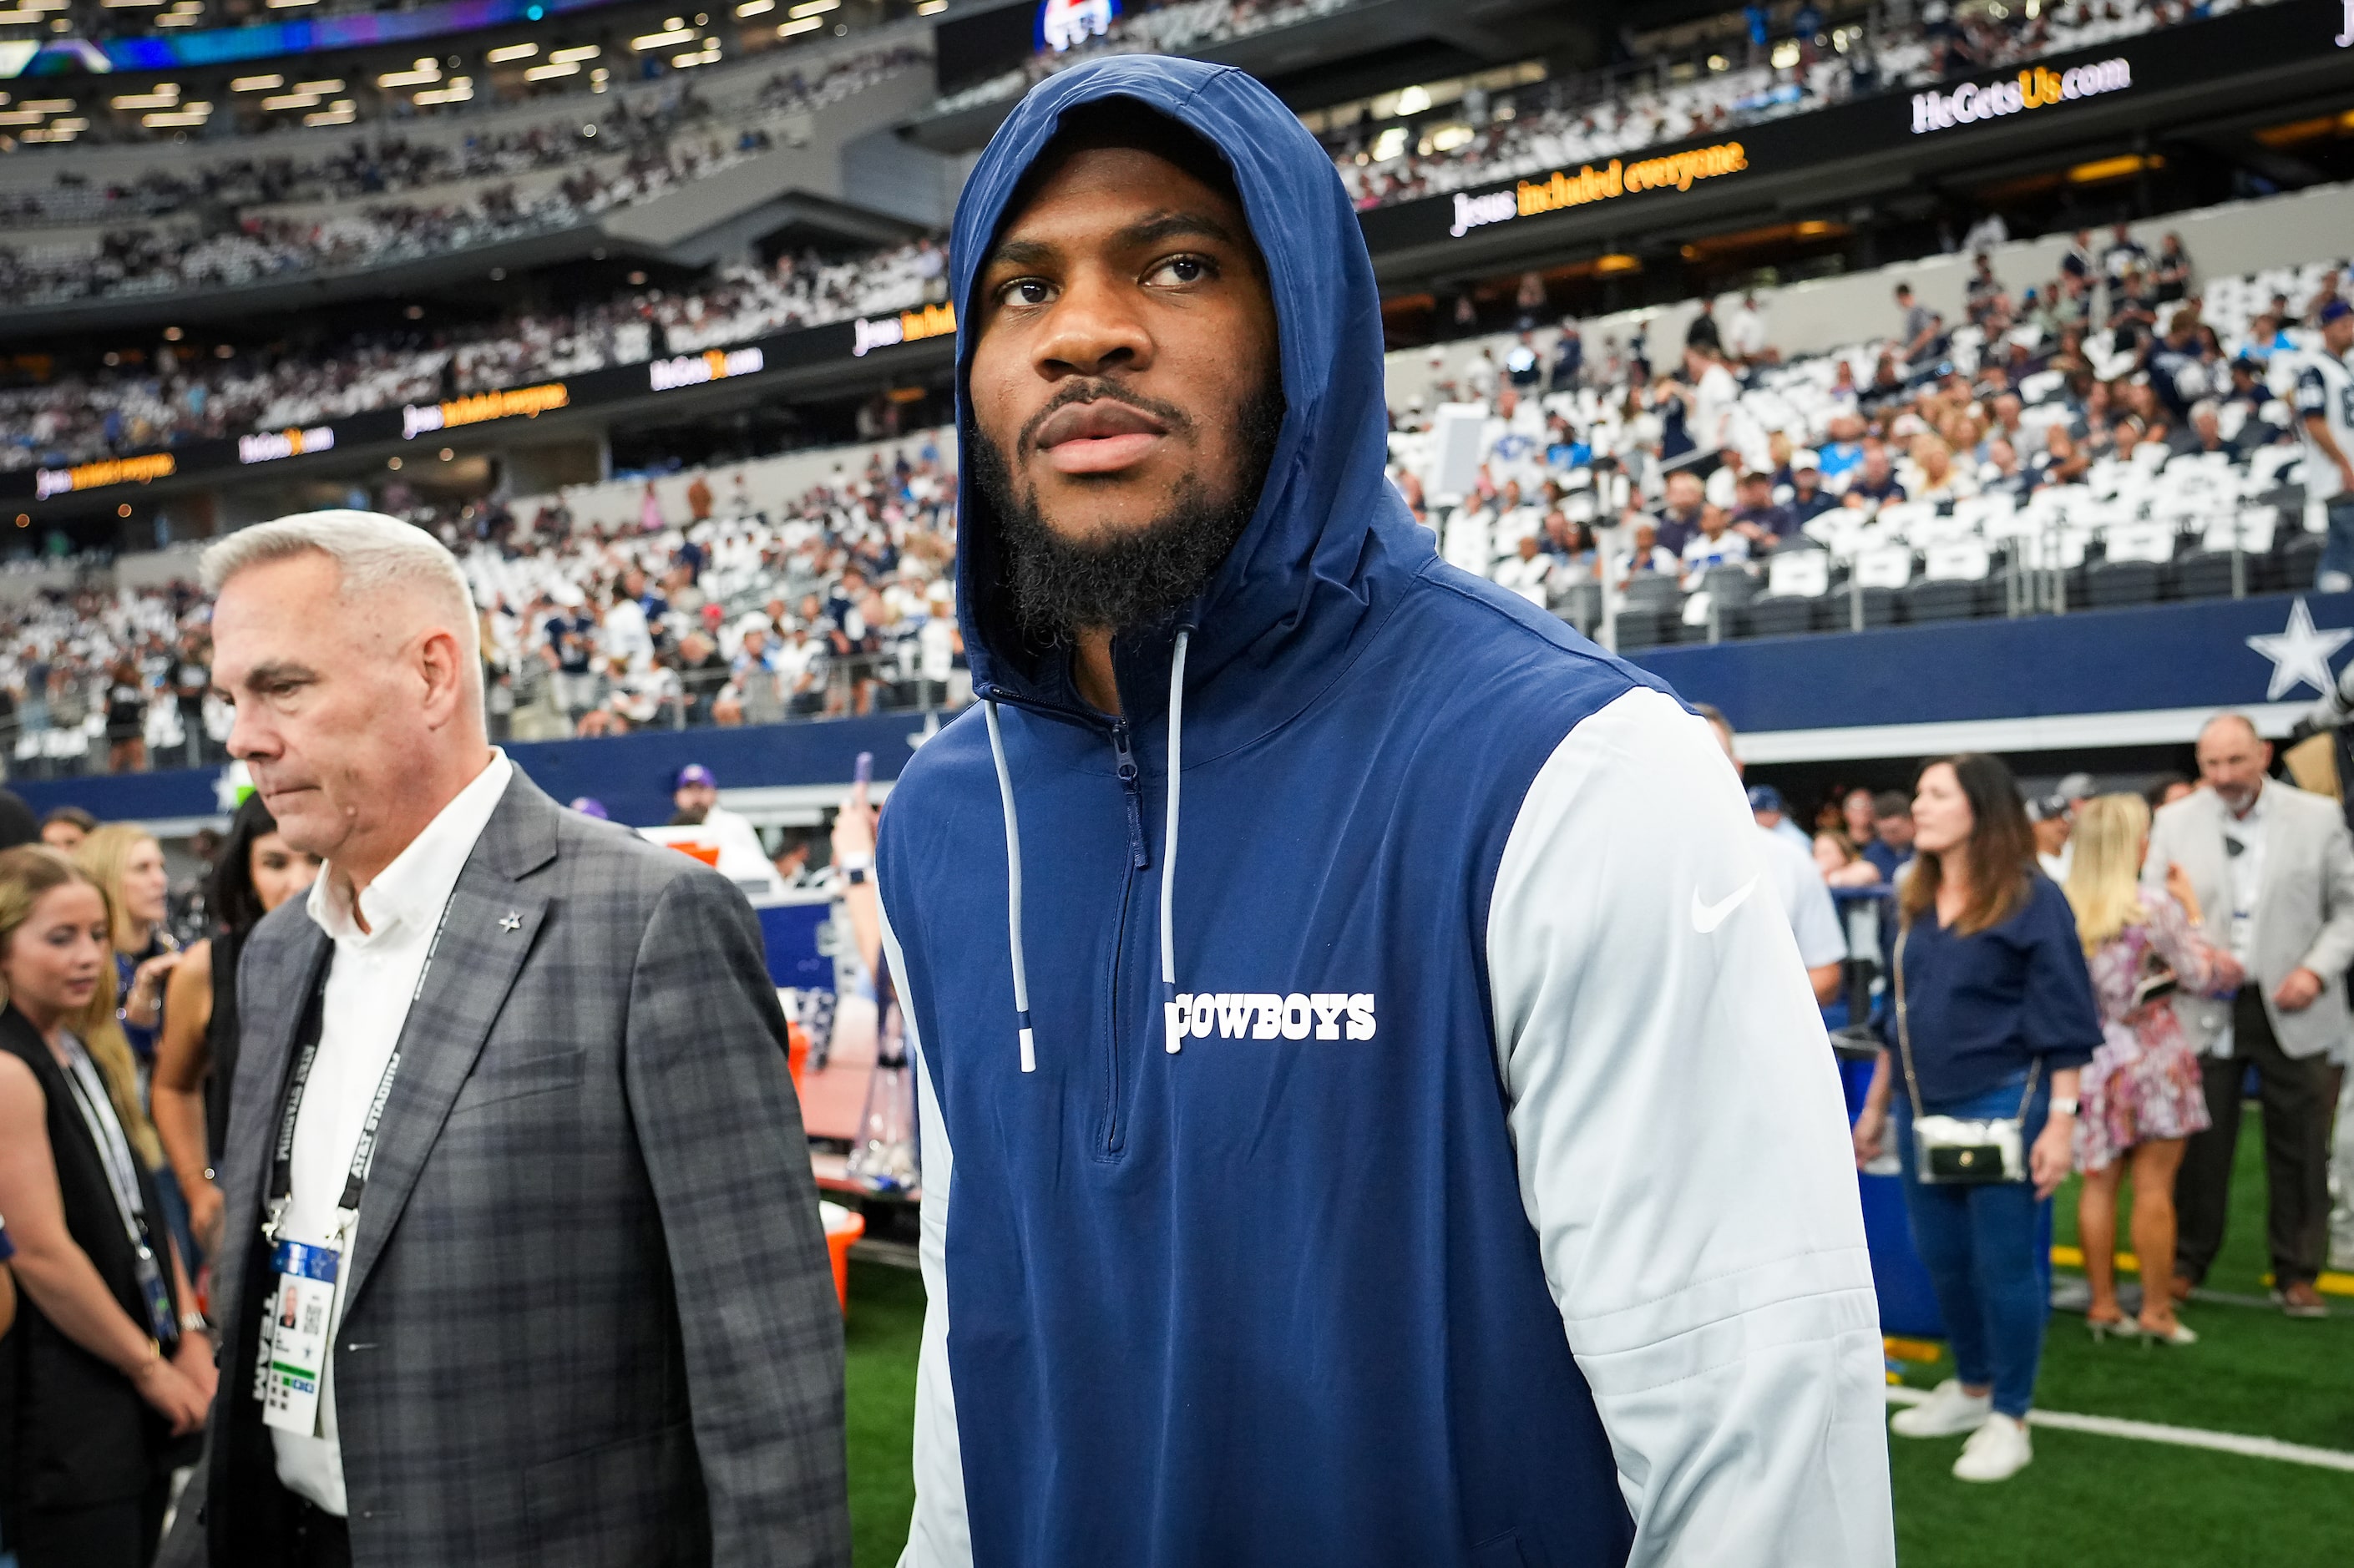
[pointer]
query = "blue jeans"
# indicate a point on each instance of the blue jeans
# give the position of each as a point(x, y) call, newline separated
point(1978, 1244)
point(2337, 544)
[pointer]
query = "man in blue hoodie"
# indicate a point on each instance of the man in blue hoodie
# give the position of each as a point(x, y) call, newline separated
point(1351, 1133)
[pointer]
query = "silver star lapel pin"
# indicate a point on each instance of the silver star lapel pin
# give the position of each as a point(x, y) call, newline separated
point(514, 922)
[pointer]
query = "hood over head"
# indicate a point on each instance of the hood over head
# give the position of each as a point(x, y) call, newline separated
point(1293, 592)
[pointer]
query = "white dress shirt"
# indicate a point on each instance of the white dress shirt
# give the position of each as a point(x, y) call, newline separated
point(374, 978)
point(2247, 829)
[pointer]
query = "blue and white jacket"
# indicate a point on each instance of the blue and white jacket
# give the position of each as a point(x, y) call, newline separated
point(1400, 1133)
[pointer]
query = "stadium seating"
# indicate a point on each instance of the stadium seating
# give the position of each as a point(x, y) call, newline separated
point(2155, 518)
point(1561, 124)
point(307, 201)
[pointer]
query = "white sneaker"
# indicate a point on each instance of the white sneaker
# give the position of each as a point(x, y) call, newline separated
point(1944, 1414)
point(1996, 1451)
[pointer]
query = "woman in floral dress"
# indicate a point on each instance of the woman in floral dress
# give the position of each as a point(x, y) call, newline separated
point(2141, 1095)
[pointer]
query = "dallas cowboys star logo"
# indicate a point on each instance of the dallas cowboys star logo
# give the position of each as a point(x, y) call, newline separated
point(2300, 654)
point(513, 922)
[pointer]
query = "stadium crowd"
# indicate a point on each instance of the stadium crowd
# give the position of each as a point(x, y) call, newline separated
point(2124, 413)
point(1563, 123)
point(631, 156)
point(732, 613)
point(2053, 427)
point(183, 397)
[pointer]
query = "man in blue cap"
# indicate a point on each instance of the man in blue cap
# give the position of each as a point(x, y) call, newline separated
point(1347, 1137)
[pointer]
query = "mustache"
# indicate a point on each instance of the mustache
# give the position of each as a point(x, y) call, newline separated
point(1100, 391)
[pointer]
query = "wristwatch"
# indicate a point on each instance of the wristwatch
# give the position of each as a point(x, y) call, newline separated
point(2065, 1104)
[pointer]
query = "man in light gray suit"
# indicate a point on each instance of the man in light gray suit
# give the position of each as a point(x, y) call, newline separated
point(2273, 871)
point(525, 1263)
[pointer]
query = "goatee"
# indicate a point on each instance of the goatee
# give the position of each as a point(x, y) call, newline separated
point(1125, 579)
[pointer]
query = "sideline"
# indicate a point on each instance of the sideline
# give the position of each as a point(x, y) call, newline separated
point(2179, 1437)
point(2331, 1283)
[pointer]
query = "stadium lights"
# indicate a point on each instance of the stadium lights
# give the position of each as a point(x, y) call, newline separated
point(166, 95)
point(576, 53)
point(550, 71)
point(194, 114)
point(507, 53)
point(49, 105)
point(813, 8)
point(321, 87)
point(128, 5)
point(807, 25)
point(755, 7)
point(291, 101)
point(677, 33)
point(2101, 169)
point(20, 117)
point(426, 73)
point(931, 8)
point(1617, 261)
point(340, 112)
point(257, 84)
point(289, 5)
point(708, 55)
point(1413, 99)
point(459, 91)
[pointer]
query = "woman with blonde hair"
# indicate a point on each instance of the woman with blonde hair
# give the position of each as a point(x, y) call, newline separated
point(127, 863)
point(106, 1378)
point(2141, 1095)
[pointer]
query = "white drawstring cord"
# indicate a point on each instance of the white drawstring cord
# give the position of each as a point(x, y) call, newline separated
point(1173, 1024)
point(1013, 889)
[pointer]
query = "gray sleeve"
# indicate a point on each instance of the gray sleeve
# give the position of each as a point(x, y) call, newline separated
point(720, 1131)
point(2333, 945)
point(1814, 921)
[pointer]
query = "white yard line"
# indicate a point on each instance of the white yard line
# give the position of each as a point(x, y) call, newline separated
point(2179, 1437)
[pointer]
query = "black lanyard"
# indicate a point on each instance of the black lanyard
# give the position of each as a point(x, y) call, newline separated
point(306, 1051)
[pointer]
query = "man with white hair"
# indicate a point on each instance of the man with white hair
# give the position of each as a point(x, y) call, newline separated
point(525, 1263)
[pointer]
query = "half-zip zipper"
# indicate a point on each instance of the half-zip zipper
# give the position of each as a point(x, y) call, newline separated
point(1131, 785)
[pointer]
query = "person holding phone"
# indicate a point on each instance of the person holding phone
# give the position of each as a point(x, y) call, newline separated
point(1993, 1022)
point(2142, 1094)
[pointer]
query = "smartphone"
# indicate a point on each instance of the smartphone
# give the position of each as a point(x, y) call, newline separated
point(864, 773)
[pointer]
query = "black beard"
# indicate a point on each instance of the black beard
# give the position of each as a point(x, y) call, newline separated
point(1130, 578)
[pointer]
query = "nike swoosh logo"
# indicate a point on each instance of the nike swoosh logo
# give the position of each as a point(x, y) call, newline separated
point(1707, 918)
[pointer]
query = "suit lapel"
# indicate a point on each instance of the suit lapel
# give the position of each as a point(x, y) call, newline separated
point(489, 931)
point(272, 999)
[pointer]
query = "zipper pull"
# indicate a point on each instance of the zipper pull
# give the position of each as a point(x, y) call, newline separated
point(1132, 785)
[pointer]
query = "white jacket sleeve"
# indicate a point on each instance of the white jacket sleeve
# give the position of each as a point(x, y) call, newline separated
point(937, 1534)
point(1683, 1153)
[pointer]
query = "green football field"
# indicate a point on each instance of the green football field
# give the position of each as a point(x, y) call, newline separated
point(2088, 1502)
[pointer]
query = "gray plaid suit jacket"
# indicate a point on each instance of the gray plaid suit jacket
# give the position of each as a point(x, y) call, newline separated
point(590, 1319)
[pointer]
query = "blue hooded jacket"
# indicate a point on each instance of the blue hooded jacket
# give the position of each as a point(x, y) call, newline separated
point(1241, 1194)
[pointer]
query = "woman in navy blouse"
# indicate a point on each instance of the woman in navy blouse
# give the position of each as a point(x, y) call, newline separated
point(1999, 1015)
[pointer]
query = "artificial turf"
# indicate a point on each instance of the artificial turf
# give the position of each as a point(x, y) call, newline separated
point(2087, 1502)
